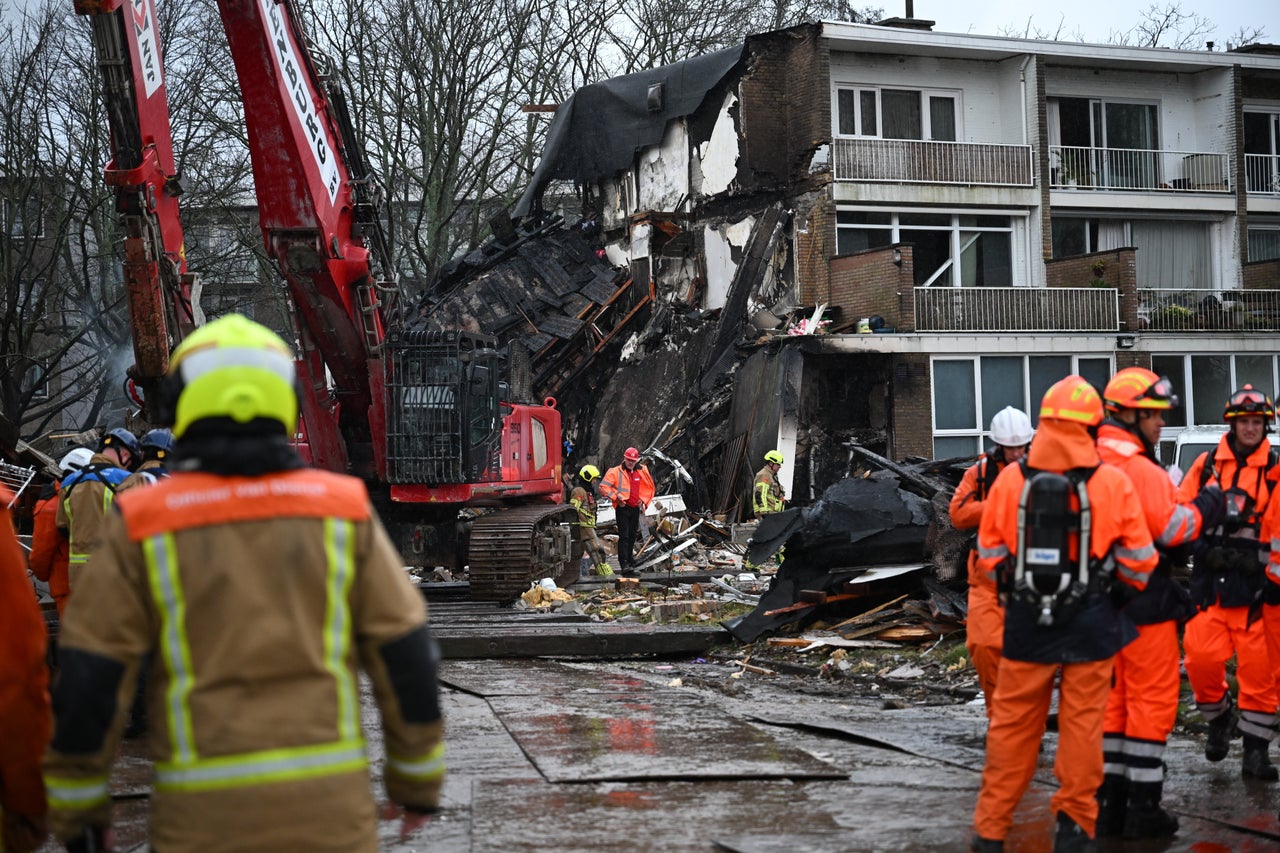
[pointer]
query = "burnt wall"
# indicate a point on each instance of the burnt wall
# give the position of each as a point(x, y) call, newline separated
point(911, 409)
point(786, 107)
point(843, 399)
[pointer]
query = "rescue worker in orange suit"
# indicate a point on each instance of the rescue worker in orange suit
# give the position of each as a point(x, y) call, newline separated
point(24, 698)
point(1011, 432)
point(1074, 630)
point(630, 488)
point(583, 500)
point(88, 494)
point(1143, 704)
point(49, 545)
point(261, 588)
point(1227, 584)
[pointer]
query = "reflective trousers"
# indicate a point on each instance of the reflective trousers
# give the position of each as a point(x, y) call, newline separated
point(984, 638)
point(1018, 716)
point(1271, 624)
point(1211, 638)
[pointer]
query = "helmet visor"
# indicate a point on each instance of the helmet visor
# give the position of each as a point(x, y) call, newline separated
point(1249, 402)
point(1161, 391)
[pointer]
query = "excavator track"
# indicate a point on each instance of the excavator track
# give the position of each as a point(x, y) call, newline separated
point(513, 548)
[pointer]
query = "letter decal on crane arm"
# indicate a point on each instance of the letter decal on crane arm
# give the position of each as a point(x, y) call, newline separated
point(303, 107)
point(148, 58)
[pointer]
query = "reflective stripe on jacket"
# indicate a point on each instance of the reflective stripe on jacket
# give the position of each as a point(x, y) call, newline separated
point(766, 494)
point(585, 504)
point(259, 600)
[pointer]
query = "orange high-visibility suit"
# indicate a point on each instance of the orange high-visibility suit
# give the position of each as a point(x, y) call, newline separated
point(50, 548)
point(984, 626)
point(24, 698)
point(1082, 649)
point(1143, 704)
point(1226, 593)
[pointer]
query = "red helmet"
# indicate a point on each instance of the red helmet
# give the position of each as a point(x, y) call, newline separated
point(1249, 401)
point(631, 455)
point(1138, 388)
point(1072, 399)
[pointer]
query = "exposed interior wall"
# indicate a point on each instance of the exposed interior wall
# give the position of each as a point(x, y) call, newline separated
point(843, 398)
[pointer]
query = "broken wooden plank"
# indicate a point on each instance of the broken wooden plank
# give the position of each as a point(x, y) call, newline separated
point(863, 616)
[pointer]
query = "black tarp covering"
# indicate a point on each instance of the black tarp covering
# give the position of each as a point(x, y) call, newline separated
point(859, 522)
point(598, 131)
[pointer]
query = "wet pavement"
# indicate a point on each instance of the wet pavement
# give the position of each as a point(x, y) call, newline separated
point(683, 756)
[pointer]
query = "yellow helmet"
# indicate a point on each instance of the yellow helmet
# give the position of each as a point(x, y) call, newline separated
point(773, 456)
point(231, 368)
point(589, 473)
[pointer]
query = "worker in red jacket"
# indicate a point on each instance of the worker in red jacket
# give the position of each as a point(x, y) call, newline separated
point(24, 698)
point(1227, 583)
point(630, 488)
point(1067, 537)
point(1011, 432)
point(50, 547)
point(1143, 704)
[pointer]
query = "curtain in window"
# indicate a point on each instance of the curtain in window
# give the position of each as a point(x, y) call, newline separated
point(1111, 235)
point(902, 119)
point(1172, 255)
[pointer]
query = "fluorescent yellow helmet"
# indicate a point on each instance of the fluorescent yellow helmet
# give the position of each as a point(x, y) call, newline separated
point(773, 456)
point(231, 368)
point(589, 473)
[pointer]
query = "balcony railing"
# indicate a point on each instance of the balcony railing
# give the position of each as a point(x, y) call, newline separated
point(918, 162)
point(1163, 310)
point(1262, 173)
point(1139, 169)
point(1017, 309)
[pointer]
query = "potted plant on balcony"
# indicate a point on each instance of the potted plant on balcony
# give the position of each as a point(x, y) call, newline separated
point(1098, 267)
point(1173, 317)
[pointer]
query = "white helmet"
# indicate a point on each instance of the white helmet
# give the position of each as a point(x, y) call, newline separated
point(1011, 428)
point(75, 460)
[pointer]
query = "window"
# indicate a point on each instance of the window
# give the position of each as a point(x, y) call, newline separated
point(35, 381)
point(1264, 242)
point(23, 218)
point(897, 113)
point(949, 250)
point(1102, 143)
point(1204, 382)
point(967, 392)
point(1171, 254)
point(1262, 151)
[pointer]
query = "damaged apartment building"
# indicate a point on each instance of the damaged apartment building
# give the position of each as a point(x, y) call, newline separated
point(884, 234)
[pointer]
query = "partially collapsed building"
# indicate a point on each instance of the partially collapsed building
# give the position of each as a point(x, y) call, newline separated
point(884, 234)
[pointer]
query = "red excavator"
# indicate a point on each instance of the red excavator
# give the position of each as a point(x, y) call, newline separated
point(461, 472)
point(163, 297)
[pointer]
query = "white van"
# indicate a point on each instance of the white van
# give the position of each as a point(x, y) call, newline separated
point(1193, 441)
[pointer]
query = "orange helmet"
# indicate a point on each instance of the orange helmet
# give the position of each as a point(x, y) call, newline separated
point(1249, 401)
point(1138, 388)
point(1072, 399)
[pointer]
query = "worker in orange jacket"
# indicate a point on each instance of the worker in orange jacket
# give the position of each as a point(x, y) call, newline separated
point(50, 547)
point(630, 488)
point(1011, 432)
point(1227, 583)
point(1143, 704)
point(1065, 550)
point(24, 698)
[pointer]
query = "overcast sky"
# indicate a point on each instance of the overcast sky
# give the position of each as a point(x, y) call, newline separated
point(1095, 20)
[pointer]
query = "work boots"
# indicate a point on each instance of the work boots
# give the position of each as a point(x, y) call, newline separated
point(1070, 837)
point(985, 845)
point(1113, 798)
point(1145, 818)
point(1218, 744)
point(1256, 764)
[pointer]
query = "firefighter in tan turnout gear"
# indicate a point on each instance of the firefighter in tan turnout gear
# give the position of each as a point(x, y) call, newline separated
point(260, 588)
point(767, 496)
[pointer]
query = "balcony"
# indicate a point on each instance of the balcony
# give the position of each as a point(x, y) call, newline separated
point(1017, 309)
point(1138, 170)
point(918, 162)
point(1161, 310)
point(1262, 174)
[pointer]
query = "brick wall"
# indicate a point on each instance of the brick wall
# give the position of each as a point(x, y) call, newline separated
point(1121, 272)
point(869, 283)
point(1262, 275)
point(786, 108)
point(815, 240)
point(911, 432)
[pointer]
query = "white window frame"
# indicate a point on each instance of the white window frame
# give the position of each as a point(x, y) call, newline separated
point(1187, 394)
point(901, 233)
point(980, 430)
point(926, 121)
